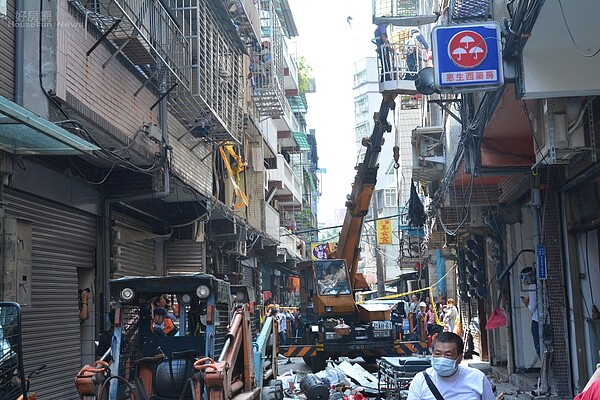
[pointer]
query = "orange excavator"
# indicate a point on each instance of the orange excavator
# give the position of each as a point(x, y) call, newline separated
point(211, 354)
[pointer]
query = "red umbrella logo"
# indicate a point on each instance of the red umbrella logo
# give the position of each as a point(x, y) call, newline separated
point(467, 49)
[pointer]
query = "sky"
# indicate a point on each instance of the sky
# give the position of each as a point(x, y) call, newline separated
point(331, 46)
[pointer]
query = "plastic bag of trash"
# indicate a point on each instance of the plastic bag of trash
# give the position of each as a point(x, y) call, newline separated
point(332, 375)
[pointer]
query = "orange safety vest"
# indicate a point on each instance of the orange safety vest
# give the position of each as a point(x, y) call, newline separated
point(168, 326)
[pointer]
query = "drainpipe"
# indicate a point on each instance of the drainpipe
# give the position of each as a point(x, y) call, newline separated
point(19, 53)
point(108, 201)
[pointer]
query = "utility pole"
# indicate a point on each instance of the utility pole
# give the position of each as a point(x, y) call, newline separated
point(379, 262)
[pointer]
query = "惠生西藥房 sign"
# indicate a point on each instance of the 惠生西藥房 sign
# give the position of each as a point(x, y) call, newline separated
point(467, 57)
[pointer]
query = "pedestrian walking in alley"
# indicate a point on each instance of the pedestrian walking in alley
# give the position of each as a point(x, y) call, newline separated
point(528, 277)
point(281, 325)
point(290, 332)
point(446, 378)
point(451, 316)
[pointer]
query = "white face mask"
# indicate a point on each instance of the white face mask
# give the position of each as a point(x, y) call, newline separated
point(443, 366)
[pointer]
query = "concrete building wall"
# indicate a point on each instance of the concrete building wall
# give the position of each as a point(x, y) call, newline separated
point(109, 90)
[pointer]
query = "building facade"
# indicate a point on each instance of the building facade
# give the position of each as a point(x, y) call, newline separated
point(143, 138)
point(515, 187)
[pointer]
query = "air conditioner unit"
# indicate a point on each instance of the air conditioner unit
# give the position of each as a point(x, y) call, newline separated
point(428, 144)
point(477, 216)
point(558, 129)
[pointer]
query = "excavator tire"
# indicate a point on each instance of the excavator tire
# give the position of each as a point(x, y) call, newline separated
point(278, 385)
point(317, 363)
point(270, 393)
point(370, 359)
point(307, 360)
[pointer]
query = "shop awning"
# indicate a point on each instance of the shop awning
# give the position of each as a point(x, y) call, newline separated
point(300, 138)
point(23, 132)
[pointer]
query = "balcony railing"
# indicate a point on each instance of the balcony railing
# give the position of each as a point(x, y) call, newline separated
point(287, 121)
point(291, 78)
point(272, 224)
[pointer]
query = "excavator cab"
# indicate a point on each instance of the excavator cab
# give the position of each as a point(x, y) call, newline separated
point(163, 327)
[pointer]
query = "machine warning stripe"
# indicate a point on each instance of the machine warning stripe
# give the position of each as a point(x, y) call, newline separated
point(409, 348)
point(299, 351)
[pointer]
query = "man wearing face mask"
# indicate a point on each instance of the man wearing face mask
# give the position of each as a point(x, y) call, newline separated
point(447, 378)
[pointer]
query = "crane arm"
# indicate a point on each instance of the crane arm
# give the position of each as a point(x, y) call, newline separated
point(357, 206)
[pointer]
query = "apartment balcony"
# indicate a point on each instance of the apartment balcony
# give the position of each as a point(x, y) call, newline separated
point(267, 66)
point(291, 244)
point(405, 12)
point(244, 14)
point(288, 186)
point(269, 134)
point(428, 153)
point(272, 224)
point(290, 72)
point(287, 120)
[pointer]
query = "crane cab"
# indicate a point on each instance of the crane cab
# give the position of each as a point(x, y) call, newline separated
point(325, 288)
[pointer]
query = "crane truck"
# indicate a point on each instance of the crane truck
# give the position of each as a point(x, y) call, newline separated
point(336, 324)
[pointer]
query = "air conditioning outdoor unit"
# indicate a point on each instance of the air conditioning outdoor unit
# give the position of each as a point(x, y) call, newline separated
point(558, 128)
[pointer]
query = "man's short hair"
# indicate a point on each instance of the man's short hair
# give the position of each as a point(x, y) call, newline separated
point(449, 337)
point(160, 311)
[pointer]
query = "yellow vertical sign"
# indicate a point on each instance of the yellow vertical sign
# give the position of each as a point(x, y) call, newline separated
point(384, 231)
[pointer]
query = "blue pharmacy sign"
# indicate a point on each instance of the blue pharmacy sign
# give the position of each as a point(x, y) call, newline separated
point(542, 271)
point(467, 57)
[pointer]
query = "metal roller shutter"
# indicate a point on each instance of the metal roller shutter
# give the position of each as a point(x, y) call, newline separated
point(247, 271)
point(136, 244)
point(185, 257)
point(136, 259)
point(63, 239)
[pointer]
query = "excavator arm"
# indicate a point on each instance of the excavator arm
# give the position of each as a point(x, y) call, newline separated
point(357, 206)
point(241, 371)
point(233, 374)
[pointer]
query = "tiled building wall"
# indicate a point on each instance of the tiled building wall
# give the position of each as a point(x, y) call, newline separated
point(108, 91)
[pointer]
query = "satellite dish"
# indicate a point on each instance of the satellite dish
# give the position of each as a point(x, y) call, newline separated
point(424, 81)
